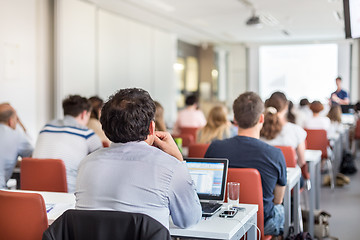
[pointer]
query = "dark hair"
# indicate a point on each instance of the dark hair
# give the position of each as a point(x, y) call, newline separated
point(304, 102)
point(97, 104)
point(248, 108)
point(191, 100)
point(316, 106)
point(338, 78)
point(290, 116)
point(75, 104)
point(272, 125)
point(357, 106)
point(127, 115)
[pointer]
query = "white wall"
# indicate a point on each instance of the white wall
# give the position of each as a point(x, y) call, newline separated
point(18, 59)
point(99, 52)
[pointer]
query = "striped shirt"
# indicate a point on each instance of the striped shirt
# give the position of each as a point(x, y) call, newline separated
point(69, 141)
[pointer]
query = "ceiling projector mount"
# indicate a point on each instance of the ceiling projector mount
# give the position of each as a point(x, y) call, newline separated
point(254, 20)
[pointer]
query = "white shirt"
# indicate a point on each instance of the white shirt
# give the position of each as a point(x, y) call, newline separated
point(69, 141)
point(137, 177)
point(318, 122)
point(290, 135)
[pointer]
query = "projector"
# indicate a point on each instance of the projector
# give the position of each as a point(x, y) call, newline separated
point(253, 21)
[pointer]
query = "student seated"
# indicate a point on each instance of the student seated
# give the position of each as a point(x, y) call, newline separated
point(94, 121)
point(13, 142)
point(247, 151)
point(191, 116)
point(277, 131)
point(317, 121)
point(217, 126)
point(142, 171)
point(69, 139)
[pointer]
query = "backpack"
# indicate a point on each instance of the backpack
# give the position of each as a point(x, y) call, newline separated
point(347, 165)
point(299, 236)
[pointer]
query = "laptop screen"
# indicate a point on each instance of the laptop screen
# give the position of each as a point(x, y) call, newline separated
point(209, 176)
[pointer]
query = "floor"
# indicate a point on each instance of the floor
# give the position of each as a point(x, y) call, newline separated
point(343, 204)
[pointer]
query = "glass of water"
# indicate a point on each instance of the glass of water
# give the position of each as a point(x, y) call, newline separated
point(233, 194)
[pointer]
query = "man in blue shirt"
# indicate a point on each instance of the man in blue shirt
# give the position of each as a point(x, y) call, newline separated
point(339, 97)
point(13, 142)
point(247, 151)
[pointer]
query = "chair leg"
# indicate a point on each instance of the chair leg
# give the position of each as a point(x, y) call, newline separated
point(331, 173)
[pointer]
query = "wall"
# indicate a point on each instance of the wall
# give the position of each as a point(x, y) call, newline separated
point(24, 52)
point(99, 52)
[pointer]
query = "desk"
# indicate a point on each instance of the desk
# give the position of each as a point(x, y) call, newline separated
point(214, 227)
point(220, 228)
point(313, 158)
point(293, 182)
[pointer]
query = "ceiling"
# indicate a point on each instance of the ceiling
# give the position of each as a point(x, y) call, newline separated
point(223, 21)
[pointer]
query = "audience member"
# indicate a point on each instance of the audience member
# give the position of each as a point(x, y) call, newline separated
point(159, 117)
point(303, 112)
point(335, 120)
point(339, 97)
point(69, 139)
point(217, 126)
point(290, 114)
point(13, 143)
point(94, 121)
point(277, 131)
point(142, 171)
point(191, 116)
point(317, 121)
point(247, 151)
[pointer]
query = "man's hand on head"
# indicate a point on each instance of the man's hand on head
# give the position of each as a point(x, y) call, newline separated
point(165, 142)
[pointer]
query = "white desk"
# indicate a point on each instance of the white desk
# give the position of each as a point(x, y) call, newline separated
point(220, 228)
point(293, 182)
point(313, 158)
point(214, 227)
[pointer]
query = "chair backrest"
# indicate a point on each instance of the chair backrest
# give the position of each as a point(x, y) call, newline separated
point(198, 150)
point(317, 140)
point(187, 139)
point(100, 225)
point(189, 130)
point(289, 155)
point(23, 216)
point(105, 144)
point(357, 129)
point(43, 175)
point(250, 190)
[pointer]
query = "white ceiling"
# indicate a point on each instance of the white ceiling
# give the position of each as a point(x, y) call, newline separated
point(223, 21)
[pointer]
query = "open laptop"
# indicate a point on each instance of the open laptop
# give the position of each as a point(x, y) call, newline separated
point(209, 176)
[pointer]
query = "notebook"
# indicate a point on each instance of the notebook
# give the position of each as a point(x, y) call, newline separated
point(209, 176)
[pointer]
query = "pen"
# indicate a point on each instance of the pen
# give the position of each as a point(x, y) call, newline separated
point(48, 210)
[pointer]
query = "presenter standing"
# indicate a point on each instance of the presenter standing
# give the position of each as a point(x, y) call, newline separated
point(339, 97)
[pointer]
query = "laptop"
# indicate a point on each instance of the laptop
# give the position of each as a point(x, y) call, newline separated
point(209, 176)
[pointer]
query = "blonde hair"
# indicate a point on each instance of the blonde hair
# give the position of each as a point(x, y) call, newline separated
point(335, 113)
point(216, 126)
point(159, 117)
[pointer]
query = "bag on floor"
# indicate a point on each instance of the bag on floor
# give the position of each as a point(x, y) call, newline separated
point(299, 236)
point(347, 165)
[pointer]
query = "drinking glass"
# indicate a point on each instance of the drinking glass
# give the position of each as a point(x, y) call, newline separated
point(233, 193)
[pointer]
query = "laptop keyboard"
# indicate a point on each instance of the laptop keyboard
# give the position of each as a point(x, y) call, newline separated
point(210, 208)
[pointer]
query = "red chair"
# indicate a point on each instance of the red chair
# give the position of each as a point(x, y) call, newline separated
point(317, 140)
point(198, 150)
point(289, 155)
point(189, 130)
point(105, 144)
point(43, 175)
point(250, 192)
point(23, 216)
point(357, 130)
point(187, 139)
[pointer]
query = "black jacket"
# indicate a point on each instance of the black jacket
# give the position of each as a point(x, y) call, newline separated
point(105, 225)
